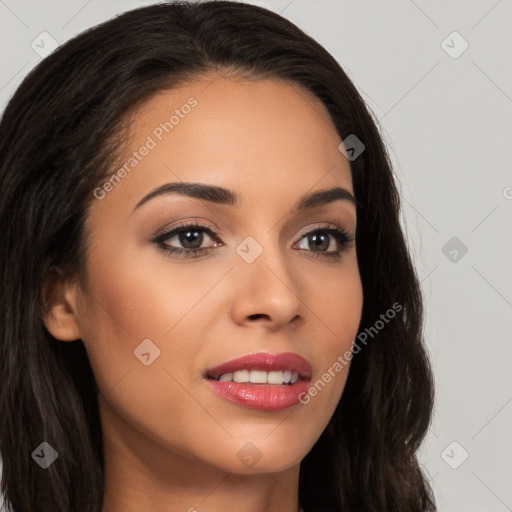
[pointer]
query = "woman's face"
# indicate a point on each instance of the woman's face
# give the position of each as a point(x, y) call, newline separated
point(153, 322)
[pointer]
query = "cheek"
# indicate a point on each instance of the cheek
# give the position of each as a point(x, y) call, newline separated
point(124, 308)
point(337, 310)
point(138, 336)
point(335, 300)
point(142, 304)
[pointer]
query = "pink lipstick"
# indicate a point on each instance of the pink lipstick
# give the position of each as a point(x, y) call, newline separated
point(262, 381)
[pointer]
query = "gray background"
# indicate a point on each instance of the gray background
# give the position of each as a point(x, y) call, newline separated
point(446, 116)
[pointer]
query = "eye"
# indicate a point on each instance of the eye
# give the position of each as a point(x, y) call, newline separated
point(325, 238)
point(191, 236)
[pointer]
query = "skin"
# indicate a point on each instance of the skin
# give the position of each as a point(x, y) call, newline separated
point(170, 442)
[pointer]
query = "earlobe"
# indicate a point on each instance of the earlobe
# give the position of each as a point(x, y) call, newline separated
point(60, 317)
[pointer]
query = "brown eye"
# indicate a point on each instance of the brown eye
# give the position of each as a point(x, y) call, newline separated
point(321, 239)
point(190, 236)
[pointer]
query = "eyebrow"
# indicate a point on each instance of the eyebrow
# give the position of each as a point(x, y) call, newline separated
point(220, 195)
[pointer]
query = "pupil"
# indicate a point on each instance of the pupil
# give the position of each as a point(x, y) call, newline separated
point(322, 244)
point(187, 238)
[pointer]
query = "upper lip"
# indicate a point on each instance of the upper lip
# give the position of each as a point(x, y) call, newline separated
point(266, 362)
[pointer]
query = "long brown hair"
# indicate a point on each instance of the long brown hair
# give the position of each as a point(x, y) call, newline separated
point(58, 139)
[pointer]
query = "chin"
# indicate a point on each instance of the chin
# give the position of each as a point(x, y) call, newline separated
point(262, 454)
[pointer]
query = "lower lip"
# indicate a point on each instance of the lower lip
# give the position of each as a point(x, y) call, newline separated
point(261, 396)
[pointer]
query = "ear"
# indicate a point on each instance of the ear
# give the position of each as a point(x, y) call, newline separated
point(60, 304)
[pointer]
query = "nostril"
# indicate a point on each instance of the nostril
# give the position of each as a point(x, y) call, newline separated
point(257, 315)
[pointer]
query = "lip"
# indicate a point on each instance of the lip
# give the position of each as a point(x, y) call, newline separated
point(265, 362)
point(266, 397)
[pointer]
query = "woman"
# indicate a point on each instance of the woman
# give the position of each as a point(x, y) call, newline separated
point(208, 301)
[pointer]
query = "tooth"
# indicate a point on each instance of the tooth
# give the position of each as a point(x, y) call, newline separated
point(241, 376)
point(274, 377)
point(258, 377)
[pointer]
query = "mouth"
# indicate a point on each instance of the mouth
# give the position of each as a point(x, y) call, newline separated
point(263, 369)
point(262, 381)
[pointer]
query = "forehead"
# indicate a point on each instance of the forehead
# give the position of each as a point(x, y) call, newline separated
point(260, 137)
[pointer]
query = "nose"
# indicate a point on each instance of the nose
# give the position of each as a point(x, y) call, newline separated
point(266, 291)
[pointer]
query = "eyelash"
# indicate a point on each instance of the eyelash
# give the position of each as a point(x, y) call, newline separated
point(340, 235)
